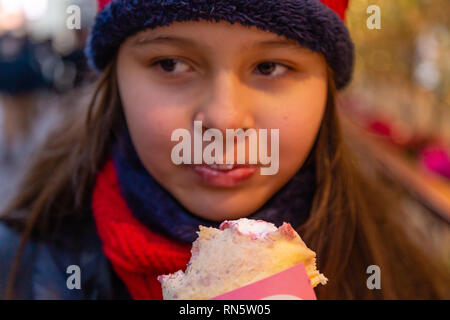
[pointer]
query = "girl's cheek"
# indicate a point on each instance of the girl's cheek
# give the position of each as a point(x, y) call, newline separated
point(152, 117)
point(149, 122)
point(154, 131)
point(298, 130)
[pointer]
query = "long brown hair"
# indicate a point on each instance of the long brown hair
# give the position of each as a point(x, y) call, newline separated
point(353, 222)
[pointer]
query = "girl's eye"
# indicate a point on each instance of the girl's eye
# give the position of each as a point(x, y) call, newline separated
point(172, 65)
point(270, 69)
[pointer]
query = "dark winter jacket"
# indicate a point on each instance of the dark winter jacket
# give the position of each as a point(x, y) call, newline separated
point(43, 270)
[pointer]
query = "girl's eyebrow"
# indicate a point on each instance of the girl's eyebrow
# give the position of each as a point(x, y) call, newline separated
point(186, 42)
point(146, 40)
point(280, 44)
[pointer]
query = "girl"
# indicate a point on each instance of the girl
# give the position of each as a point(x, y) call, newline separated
point(104, 197)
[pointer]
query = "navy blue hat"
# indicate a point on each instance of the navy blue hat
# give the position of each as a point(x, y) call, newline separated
point(315, 24)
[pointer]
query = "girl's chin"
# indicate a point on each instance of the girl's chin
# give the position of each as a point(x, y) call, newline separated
point(219, 209)
point(241, 197)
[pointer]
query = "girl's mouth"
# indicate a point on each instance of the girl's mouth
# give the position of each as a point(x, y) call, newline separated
point(224, 175)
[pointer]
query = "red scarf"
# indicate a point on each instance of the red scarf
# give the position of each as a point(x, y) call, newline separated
point(138, 255)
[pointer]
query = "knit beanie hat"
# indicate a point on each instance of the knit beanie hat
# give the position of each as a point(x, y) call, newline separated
point(315, 24)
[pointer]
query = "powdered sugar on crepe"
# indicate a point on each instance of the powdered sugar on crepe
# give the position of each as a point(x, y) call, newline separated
point(253, 228)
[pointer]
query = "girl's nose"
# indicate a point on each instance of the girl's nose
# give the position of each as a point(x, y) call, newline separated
point(227, 104)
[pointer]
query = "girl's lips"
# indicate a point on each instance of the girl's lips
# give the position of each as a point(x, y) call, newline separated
point(224, 175)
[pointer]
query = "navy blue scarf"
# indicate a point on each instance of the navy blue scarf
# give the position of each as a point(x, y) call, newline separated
point(156, 208)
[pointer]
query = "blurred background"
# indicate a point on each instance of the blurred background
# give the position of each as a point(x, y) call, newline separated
point(397, 109)
point(42, 71)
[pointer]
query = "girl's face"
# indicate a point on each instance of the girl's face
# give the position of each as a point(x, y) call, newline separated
point(228, 77)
